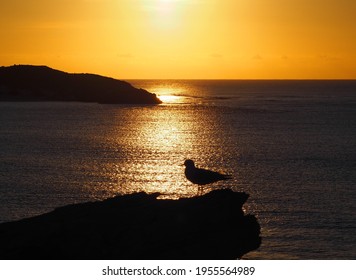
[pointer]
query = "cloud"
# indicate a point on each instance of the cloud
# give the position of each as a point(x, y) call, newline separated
point(257, 57)
point(327, 57)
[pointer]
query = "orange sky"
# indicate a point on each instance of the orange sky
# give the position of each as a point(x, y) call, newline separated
point(208, 39)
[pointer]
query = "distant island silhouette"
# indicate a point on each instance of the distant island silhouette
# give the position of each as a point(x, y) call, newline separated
point(41, 83)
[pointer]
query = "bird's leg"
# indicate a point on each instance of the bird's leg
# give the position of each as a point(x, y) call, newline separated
point(200, 190)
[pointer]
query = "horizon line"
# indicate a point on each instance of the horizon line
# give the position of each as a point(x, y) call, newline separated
point(192, 79)
point(243, 79)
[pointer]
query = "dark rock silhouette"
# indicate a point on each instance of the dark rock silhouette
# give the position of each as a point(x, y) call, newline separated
point(137, 226)
point(41, 83)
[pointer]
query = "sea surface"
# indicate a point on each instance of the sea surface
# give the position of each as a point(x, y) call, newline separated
point(291, 145)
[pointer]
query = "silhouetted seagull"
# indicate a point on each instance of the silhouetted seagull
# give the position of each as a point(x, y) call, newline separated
point(201, 176)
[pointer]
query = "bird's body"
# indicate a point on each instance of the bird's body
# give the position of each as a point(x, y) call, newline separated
point(201, 176)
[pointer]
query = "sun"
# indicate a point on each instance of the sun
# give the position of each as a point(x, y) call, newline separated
point(166, 6)
point(165, 15)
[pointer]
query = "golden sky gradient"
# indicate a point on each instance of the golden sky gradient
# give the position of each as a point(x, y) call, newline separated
point(204, 39)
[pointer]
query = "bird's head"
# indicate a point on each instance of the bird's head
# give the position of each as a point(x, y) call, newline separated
point(189, 163)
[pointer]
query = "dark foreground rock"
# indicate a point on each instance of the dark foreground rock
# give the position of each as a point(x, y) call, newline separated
point(137, 226)
point(41, 83)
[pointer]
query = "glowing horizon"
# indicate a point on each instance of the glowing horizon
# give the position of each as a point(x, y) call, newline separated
point(181, 39)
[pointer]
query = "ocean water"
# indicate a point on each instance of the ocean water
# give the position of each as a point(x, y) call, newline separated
point(290, 144)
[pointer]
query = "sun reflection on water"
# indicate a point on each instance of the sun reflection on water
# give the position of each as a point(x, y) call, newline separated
point(165, 98)
point(168, 93)
point(158, 138)
point(152, 144)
